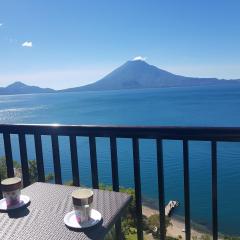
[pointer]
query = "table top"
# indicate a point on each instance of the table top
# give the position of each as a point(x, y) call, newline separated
point(43, 218)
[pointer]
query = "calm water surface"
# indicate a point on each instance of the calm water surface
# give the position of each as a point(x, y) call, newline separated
point(208, 106)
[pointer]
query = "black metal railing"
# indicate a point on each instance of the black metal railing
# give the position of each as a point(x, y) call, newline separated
point(184, 134)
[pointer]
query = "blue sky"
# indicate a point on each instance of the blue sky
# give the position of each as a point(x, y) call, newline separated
point(70, 43)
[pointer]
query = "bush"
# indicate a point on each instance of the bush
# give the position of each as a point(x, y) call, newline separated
point(128, 222)
point(153, 224)
point(33, 173)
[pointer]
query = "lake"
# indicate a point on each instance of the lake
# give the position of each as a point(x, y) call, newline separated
point(195, 106)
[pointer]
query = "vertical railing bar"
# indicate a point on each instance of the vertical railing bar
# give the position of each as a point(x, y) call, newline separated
point(56, 159)
point(115, 178)
point(1, 195)
point(137, 183)
point(39, 157)
point(161, 195)
point(74, 160)
point(93, 158)
point(8, 154)
point(24, 159)
point(114, 161)
point(214, 191)
point(186, 189)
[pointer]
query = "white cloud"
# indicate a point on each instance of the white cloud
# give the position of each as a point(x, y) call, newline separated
point(139, 58)
point(27, 44)
point(1, 24)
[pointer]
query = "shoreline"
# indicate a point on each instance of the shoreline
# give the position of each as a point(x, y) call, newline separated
point(177, 227)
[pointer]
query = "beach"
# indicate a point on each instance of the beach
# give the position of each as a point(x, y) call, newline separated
point(177, 227)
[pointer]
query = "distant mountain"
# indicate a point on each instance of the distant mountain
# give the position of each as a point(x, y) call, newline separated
point(132, 75)
point(139, 74)
point(21, 88)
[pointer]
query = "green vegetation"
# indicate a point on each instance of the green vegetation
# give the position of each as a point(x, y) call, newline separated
point(33, 174)
point(153, 225)
point(128, 223)
point(3, 167)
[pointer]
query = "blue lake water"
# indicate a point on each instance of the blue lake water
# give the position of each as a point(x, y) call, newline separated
point(205, 106)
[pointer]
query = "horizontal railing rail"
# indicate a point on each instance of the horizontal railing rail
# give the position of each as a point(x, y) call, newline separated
point(166, 132)
point(184, 134)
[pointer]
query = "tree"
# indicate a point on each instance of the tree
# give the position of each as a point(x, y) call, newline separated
point(153, 223)
point(205, 237)
point(128, 222)
point(3, 168)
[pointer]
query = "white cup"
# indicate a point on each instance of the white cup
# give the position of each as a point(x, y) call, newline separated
point(11, 188)
point(82, 213)
point(82, 203)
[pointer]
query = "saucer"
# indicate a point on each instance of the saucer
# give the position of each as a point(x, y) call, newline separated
point(24, 200)
point(71, 221)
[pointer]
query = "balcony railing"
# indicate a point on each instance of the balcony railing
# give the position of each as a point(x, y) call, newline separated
point(184, 134)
